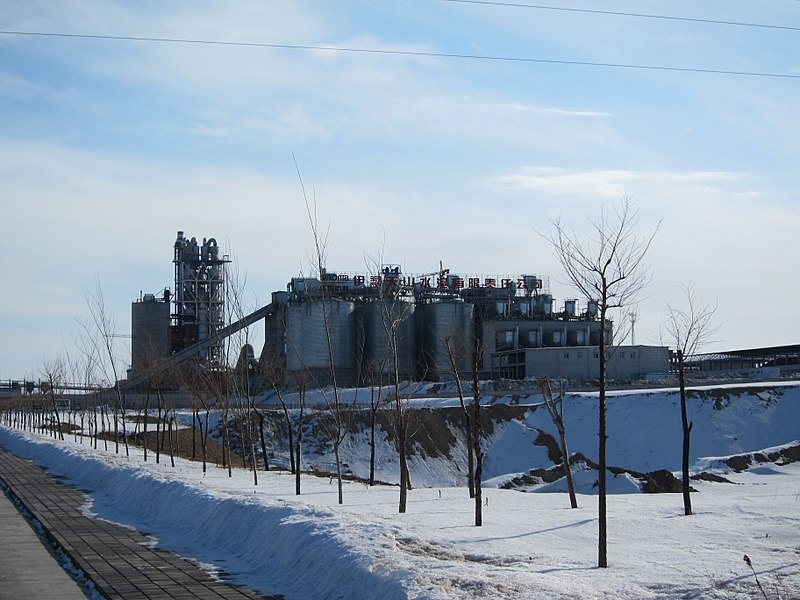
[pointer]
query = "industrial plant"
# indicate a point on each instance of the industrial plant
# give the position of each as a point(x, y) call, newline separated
point(352, 328)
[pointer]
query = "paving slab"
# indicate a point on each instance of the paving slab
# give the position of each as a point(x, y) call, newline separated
point(28, 566)
point(120, 562)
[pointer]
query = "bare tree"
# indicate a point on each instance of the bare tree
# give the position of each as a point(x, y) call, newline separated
point(199, 387)
point(476, 430)
point(301, 398)
point(242, 375)
point(687, 330)
point(555, 406)
point(104, 324)
point(53, 372)
point(377, 401)
point(451, 354)
point(393, 312)
point(336, 426)
point(86, 362)
point(272, 373)
point(608, 268)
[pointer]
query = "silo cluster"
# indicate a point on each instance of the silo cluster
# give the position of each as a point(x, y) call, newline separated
point(388, 326)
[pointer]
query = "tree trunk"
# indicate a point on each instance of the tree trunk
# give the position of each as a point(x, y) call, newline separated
point(171, 447)
point(556, 410)
point(687, 432)
point(476, 442)
point(372, 447)
point(144, 425)
point(299, 452)
point(573, 499)
point(123, 405)
point(401, 442)
point(263, 440)
point(204, 440)
point(158, 428)
point(195, 423)
point(602, 538)
point(292, 459)
point(338, 472)
point(226, 443)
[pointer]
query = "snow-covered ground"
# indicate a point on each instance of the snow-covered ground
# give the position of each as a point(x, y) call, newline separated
point(530, 545)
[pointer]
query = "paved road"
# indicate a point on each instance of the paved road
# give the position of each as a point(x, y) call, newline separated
point(115, 559)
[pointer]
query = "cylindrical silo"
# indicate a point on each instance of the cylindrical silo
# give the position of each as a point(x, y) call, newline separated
point(436, 323)
point(149, 333)
point(380, 321)
point(310, 326)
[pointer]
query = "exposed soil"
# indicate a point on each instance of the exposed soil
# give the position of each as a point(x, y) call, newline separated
point(712, 477)
point(784, 456)
point(183, 446)
point(654, 482)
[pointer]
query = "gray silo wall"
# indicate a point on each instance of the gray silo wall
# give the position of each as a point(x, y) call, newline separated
point(307, 341)
point(375, 323)
point(437, 321)
point(149, 334)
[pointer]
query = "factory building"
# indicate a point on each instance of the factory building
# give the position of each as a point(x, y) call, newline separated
point(356, 329)
point(416, 327)
point(162, 326)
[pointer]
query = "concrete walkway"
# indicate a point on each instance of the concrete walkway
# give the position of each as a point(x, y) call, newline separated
point(28, 567)
point(117, 560)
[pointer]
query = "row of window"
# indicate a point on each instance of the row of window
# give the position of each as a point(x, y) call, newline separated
point(597, 354)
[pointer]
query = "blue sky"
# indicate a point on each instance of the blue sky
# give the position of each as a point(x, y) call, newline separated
point(108, 147)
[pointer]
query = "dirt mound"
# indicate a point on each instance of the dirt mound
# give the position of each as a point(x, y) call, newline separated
point(784, 456)
point(654, 482)
point(713, 477)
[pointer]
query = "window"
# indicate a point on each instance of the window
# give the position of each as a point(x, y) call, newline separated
point(504, 340)
point(580, 354)
point(566, 354)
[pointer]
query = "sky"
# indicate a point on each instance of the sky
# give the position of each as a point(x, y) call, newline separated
point(415, 152)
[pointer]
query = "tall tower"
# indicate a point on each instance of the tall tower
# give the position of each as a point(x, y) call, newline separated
point(199, 297)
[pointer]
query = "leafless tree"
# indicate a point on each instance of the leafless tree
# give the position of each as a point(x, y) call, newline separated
point(555, 406)
point(53, 372)
point(606, 266)
point(477, 448)
point(336, 426)
point(272, 373)
point(103, 323)
point(376, 384)
point(85, 365)
point(394, 311)
point(301, 399)
point(687, 329)
point(451, 354)
point(199, 388)
point(242, 374)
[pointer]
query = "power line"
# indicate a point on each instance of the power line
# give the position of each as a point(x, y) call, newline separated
point(413, 53)
point(592, 11)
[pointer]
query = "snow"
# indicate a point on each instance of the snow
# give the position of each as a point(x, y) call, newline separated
point(531, 545)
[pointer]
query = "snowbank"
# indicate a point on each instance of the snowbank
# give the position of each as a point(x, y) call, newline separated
point(530, 545)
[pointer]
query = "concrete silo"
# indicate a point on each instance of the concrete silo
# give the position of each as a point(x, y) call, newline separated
point(436, 322)
point(378, 321)
point(150, 323)
point(310, 325)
